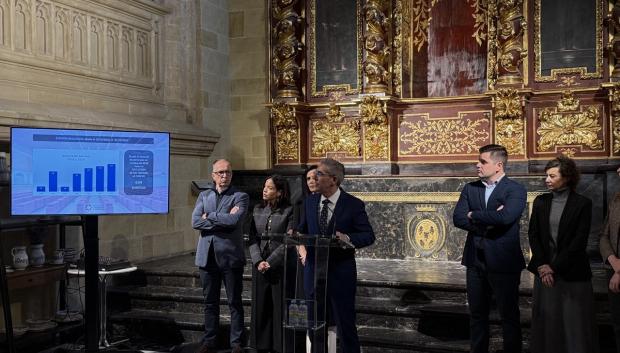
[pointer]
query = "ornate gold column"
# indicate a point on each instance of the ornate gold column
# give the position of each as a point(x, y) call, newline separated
point(509, 121)
point(377, 49)
point(285, 130)
point(614, 97)
point(287, 49)
point(397, 49)
point(376, 130)
point(507, 31)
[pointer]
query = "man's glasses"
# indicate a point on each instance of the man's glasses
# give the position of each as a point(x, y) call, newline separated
point(222, 173)
point(320, 173)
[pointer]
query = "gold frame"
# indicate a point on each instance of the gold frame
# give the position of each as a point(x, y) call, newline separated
point(312, 54)
point(581, 71)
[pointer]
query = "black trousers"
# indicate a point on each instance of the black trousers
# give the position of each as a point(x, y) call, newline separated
point(267, 293)
point(212, 277)
point(481, 286)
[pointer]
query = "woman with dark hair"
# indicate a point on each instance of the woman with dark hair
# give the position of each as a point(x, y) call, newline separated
point(563, 308)
point(273, 217)
point(312, 187)
point(611, 255)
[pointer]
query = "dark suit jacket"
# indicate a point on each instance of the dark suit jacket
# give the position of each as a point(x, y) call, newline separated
point(266, 221)
point(222, 229)
point(349, 217)
point(571, 261)
point(492, 236)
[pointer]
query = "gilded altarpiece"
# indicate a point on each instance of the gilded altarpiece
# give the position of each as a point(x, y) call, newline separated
point(453, 75)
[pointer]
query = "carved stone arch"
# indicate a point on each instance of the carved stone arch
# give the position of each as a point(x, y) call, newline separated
point(23, 26)
point(143, 54)
point(5, 25)
point(61, 34)
point(96, 42)
point(127, 43)
point(79, 39)
point(112, 46)
point(43, 28)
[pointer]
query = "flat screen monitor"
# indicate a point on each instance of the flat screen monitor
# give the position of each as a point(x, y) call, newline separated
point(89, 172)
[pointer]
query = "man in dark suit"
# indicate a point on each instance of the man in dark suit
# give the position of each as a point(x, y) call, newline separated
point(489, 210)
point(334, 213)
point(219, 214)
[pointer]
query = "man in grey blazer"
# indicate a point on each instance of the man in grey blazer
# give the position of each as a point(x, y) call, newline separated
point(219, 214)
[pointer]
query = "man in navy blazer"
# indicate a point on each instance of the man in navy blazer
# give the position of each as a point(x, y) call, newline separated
point(489, 210)
point(220, 256)
point(334, 213)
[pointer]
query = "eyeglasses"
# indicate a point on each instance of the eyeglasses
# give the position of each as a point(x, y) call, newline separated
point(320, 173)
point(222, 173)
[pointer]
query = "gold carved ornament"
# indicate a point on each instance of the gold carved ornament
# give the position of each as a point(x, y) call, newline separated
point(377, 49)
point(335, 135)
point(509, 34)
point(569, 124)
point(492, 45)
point(287, 49)
point(509, 123)
point(397, 48)
point(426, 232)
point(614, 97)
point(376, 129)
point(286, 130)
point(443, 136)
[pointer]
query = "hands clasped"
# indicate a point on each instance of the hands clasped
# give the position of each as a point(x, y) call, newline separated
point(546, 275)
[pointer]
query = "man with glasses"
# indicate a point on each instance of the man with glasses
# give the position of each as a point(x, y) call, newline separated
point(332, 212)
point(219, 214)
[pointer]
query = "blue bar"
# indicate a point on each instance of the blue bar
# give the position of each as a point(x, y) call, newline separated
point(111, 177)
point(88, 179)
point(64, 188)
point(99, 178)
point(40, 188)
point(77, 182)
point(53, 181)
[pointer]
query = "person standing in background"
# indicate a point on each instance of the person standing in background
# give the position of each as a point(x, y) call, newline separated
point(611, 256)
point(563, 300)
point(273, 217)
point(219, 215)
point(489, 210)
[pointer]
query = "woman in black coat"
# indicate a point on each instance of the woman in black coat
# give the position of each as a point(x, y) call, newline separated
point(563, 308)
point(273, 217)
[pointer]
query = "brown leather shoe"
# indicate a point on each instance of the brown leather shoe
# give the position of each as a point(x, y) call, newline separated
point(203, 349)
point(236, 349)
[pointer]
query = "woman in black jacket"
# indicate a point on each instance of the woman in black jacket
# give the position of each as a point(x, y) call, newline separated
point(274, 217)
point(563, 308)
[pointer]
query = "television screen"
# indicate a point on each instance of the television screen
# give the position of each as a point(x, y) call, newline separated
point(88, 172)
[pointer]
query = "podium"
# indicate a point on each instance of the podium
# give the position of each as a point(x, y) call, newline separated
point(305, 310)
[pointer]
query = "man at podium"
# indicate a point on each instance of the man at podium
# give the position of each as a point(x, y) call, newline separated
point(332, 212)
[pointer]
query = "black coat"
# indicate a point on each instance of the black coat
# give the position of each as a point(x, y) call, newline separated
point(571, 262)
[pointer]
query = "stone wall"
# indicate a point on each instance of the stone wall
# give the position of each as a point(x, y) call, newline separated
point(127, 65)
point(250, 142)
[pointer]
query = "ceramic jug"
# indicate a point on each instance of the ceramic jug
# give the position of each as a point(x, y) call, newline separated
point(20, 258)
point(37, 256)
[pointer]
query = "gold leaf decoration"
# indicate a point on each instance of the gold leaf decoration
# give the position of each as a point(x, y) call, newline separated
point(421, 19)
point(443, 136)
point(397, 44)
point(286, 131)
point(616, 134)
point(480, 20)
point(377, 49)
point(568, 124)
point(334, 115)
point(286, 49)
point(376, 130)
point(615, 100)
point(509, 132)
point(507, 104)
point(332, 138)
